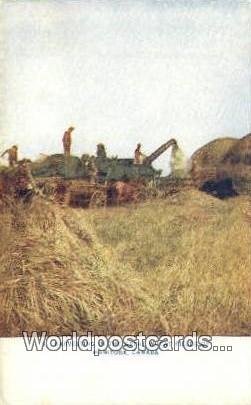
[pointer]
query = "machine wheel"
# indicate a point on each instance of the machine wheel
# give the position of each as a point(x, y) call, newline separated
point(98, 199)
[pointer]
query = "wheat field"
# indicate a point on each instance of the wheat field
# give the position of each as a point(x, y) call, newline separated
point(165, 266)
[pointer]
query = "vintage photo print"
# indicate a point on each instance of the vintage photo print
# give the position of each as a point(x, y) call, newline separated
point(125, 199)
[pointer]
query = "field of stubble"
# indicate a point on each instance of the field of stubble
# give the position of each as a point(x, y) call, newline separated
point(163, 266)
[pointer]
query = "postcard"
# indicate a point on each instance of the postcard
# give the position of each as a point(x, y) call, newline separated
point(125, 202)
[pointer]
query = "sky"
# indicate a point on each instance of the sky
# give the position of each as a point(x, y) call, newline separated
point(124, 72)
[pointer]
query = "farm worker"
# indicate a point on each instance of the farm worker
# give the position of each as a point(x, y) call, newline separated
point(138, 155)
point(12, 155)
point(67, 140)
point(101, 152)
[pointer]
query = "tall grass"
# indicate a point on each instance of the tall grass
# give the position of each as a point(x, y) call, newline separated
point(164, 266)
point(192, 253)
point(54, 275)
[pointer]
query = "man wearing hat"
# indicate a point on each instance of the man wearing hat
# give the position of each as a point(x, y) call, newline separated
point(138, 155)
point(12, 155)
point(67, 141)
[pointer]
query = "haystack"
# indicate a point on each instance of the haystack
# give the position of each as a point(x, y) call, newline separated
point(236, 164)
point(54, 275)
point(206, 160)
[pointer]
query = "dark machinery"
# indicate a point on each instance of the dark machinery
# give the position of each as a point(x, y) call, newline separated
point(107, 168)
